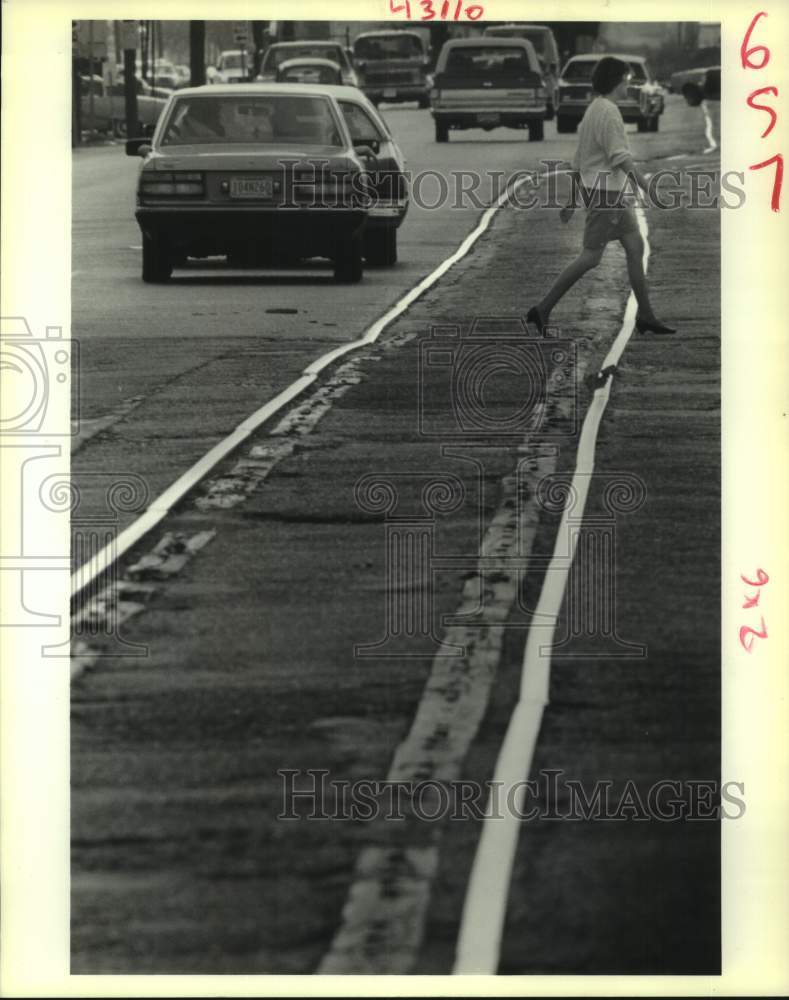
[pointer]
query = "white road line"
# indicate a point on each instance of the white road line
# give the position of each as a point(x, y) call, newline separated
point(162, 506)
point(484, 909)
point(712, 144)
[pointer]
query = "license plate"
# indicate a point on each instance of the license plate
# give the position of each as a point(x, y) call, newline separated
point(251, 187)
point(488, 119)
point(390, 92)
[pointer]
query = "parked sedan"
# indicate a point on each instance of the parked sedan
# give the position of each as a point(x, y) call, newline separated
point(643, 105)
point(386, 165)
point(269, 170)
point(309, 71)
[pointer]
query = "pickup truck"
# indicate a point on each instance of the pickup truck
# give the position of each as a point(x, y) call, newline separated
point(488, 83)
point(392, 66)
point(109, 106)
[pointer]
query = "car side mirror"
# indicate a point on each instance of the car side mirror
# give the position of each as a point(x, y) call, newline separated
point(368, 147)
point(141, 146)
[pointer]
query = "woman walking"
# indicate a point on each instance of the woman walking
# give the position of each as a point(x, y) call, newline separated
point(604, 167)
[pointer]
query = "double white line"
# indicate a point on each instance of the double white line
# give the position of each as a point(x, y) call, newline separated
point(482, 922)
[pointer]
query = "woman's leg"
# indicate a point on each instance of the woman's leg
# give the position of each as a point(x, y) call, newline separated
point(585, 261)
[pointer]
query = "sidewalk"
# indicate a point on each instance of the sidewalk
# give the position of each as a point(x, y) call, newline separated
point(180, 864)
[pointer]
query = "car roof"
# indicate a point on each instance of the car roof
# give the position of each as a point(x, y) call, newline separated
point(388, 32)
point(309, 61)
point(487, 41)
point(597, 56)
point(300, 43)
point(518, 24)
point(226, 89)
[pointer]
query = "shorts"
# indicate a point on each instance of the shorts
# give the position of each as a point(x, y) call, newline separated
point(605, 224)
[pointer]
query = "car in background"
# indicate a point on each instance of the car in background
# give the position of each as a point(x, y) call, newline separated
point(309, 71)
point(385, 162)
point(488, 83)
point(392, 66)
point(544, 42)
point(106, 111)
point(643, 105)
point(232, 66)
point(279, 52)
point(697, 85)
point(267, 171)
point(163, 81)
point(183, 75)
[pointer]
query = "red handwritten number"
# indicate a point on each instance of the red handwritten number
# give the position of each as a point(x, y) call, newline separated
point(746, 53)
point(761, 579)
point(764, 107)
point(403, 6)
point(749, 635)
point(474, 12)
point(778, 160)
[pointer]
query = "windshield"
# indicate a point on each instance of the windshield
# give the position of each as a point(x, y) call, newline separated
point(257, 119)
point(231, 60)
point(277, 55)
point(479, 60)
point(388, 47)
point(637, 74)
point(582, 69)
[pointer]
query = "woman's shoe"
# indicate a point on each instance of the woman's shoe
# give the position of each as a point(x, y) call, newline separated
point(533, 316)
point(652, 326)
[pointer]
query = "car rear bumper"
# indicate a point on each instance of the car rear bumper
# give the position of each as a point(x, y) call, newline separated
point(396, 92)
point(217, 230)
point(479, 117)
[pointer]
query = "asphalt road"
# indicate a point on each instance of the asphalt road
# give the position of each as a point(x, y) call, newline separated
point(180, 863)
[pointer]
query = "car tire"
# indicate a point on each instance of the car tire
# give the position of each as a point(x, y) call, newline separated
point(536, 131)
point(380, 247)
point(348, 267)
point(549, 111)
point(424, 101)
point(565, 124)
point(654, 124)
point(442, 132)
point(642, 124)
point(119, 128)
point(157, 264)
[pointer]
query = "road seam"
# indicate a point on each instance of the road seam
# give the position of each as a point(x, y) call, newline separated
point(484, 908)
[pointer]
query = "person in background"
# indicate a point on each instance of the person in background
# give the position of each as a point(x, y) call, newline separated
point(604, 167)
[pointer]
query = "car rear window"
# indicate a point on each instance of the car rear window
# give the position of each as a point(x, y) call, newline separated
point(275, 55)
point(267, 119)
point(311, 73)
point(499, 60)
point(388, 47)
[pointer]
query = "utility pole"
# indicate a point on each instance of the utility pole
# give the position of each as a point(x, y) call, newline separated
point(129, 37)
point(197, 53)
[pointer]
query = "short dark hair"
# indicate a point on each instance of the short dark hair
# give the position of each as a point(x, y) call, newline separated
point(608, 73)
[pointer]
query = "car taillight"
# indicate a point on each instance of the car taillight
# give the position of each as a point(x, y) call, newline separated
point(541, 91)
point(434, 93)
point(172, 184)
